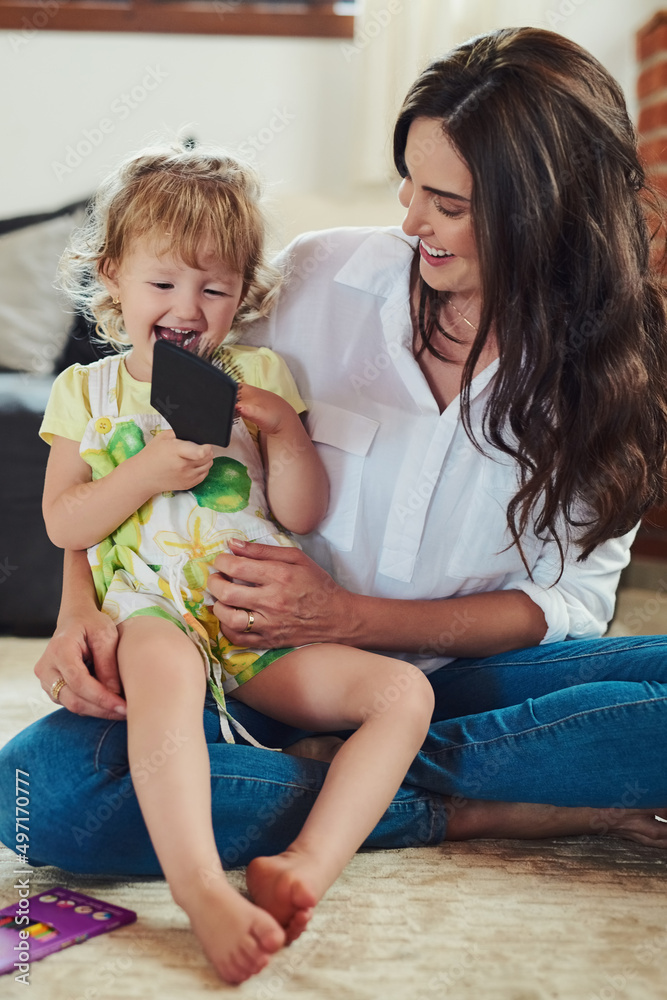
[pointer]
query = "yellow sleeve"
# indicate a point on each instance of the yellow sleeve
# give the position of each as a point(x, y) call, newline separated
point(267, 370)
point(68, 409)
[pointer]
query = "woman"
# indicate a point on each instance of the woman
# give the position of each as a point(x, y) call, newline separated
point(487, 390)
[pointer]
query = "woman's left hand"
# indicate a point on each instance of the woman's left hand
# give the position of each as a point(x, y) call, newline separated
point(292, 600)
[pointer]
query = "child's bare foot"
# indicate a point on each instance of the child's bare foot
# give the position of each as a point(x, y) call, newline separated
point(288, 886)
point(238, 937)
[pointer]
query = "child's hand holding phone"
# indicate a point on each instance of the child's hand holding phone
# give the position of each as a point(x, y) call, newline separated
point(171, 464)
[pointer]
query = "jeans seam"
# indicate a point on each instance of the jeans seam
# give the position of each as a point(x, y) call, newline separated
point(425, 797)
point(543, 726)
point(98, 750)
point(438, 814)
point(265, 781)
point(558, 659)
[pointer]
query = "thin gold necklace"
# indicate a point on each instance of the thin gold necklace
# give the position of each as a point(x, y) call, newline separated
point(464, 318)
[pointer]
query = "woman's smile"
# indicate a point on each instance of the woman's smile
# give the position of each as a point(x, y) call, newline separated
point(437, 193)
point(434, 257)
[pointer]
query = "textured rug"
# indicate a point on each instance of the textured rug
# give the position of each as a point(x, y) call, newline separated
point(572, 919)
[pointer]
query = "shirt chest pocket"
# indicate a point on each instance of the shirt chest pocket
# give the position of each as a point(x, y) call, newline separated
point(342, 439)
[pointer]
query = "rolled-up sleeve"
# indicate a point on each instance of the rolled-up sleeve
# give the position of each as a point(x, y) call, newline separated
point(581, 604)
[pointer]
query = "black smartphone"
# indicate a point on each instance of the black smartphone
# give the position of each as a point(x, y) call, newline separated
point(193, 395)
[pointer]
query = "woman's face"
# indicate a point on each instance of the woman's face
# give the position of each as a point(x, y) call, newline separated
point(437, 193)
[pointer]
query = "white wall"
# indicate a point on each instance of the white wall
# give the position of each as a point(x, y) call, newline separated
point(607, 28)
point(289, 97)
point(295, 98)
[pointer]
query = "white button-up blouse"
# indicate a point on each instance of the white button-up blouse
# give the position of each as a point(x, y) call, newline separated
point(416, 510)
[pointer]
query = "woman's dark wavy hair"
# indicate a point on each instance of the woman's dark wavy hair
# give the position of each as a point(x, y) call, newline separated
point(559, 215)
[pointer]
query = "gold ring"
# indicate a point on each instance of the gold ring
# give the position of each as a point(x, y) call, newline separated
point(56, 688)
point(251, 620)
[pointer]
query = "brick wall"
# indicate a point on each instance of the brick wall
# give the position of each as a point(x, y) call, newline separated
point(652, 93)
point(652, 125)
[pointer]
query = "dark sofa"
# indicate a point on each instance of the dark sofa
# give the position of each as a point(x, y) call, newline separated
point(30, 566)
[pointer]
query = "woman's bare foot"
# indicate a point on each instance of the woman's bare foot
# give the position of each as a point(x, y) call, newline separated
point(288, 886)
point(238, 937)
point(470, 819)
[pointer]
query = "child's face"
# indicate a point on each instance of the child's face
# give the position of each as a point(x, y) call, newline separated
point(164, 299)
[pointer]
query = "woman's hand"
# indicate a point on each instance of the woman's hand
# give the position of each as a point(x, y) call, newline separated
point(293, 600)
point(89, 635)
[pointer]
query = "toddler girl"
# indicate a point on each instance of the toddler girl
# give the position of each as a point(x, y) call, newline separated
point(173, 249)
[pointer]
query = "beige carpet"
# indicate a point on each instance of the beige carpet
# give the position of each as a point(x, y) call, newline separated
point(573, 919)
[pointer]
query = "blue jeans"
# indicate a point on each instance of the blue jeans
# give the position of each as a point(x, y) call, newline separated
point(571, 723)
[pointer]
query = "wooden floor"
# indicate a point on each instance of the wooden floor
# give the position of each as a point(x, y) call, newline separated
point(573, 919)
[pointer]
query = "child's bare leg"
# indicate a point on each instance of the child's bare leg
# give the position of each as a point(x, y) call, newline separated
point(165, 685)
point(390, 704)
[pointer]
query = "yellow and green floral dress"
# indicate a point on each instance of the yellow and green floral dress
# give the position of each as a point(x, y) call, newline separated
point(157, 562)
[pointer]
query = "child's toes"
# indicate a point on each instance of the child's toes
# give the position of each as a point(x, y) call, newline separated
point(298, 924)
point(233, 972)
point(269, 934)
point(249, 960)
point(251, 953)
point(302, 896)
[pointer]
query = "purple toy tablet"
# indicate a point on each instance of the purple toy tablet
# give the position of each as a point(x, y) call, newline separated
point(51, 920)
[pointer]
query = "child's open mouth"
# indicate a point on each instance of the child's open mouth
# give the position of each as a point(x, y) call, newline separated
point(182, 338)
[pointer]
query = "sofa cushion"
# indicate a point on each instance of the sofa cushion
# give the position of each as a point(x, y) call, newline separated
point(34, 318)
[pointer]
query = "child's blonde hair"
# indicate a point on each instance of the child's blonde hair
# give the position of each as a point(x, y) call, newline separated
point(188, 200)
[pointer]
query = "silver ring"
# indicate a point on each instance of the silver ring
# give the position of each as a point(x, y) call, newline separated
point(56, 688)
